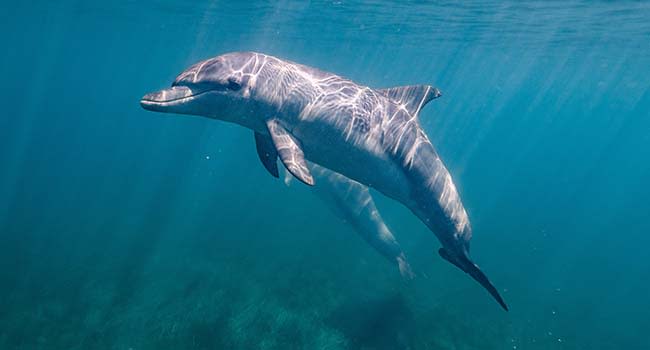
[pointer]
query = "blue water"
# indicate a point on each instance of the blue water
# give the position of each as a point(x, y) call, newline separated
point(127, 229)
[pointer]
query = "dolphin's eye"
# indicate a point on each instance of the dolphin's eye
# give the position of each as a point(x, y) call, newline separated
point(233, 85)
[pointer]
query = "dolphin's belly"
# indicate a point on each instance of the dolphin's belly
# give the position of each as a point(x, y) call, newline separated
point(353, 156)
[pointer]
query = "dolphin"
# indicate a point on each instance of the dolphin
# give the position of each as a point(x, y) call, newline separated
point(299, 113)
point(352, 202)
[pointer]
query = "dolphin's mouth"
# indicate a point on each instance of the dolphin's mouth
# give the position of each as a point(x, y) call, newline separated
point(165, 98)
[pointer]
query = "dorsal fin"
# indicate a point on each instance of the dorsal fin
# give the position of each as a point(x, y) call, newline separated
point(413, 97)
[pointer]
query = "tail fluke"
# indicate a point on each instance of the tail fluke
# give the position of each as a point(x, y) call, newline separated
point(480, 277)
point(473, 270)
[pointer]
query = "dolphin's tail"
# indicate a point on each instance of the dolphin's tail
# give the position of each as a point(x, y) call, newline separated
point(404, 267)
point(473, 270)
point(480, 277)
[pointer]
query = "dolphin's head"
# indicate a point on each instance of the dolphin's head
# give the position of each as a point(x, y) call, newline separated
point(216, 88)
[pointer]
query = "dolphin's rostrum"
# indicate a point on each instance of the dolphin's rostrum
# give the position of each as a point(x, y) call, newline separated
point(301, 114)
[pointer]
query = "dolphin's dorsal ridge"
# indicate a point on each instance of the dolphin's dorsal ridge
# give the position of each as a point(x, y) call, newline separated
point(267, 153)
point(289, 151)
point(413, 97)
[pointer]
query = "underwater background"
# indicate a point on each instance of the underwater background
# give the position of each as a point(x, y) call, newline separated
point(126, 229)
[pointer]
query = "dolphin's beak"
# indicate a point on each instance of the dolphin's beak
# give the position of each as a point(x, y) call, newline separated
point(162, 100)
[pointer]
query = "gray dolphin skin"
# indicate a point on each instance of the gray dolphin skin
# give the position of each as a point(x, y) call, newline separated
point(299, 113)
point(352, 202)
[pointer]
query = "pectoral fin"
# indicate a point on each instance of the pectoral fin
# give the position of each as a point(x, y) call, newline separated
point(267, 153)
point(291, 155)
